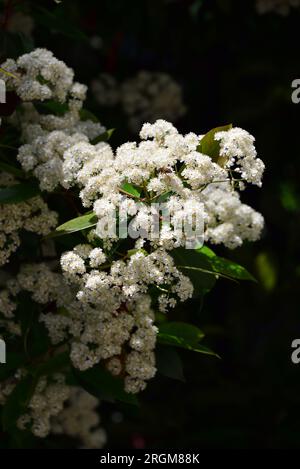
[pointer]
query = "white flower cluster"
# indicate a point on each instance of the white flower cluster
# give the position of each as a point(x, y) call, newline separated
point(31, 215)
point(44, 286)
point(112, 319)
point(101, 305)
point(229, 221)
point(144, 98)
point(39, 76)
point(111, 295)
point(239, 153)
point(126, 280)
point(168, 163)
point(281, 7)
point(47, 402)
point(55, 407)
point(80, 420)
point(48, 137)
point(58, 408)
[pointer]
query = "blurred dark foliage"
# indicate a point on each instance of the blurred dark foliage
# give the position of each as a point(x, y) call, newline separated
point(234, 66)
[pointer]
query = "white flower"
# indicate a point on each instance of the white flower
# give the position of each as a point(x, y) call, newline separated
point(31, 215)
point(47, 402)
point(72, 263)
point(237, 146)
point(47, 137)
point(97, 257)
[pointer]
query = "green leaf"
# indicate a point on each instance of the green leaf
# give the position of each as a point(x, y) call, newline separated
point(17, 402)
point(76, 224)
point(169, 363)
point(203, 266)
point(196, 267)
point(231, 269)
point(131, 252)
point(18, 193)
point(131, 189)
point(211, 147)
point(178, 342)
point(59, 109)
point(225, 267)
point(100, 383)
point(103, 137)
point(180, 334)
point(206, 251)
point(185, 331)
point(9, 74)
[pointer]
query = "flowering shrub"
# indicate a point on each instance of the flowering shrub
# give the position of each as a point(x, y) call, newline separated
point(82, 306)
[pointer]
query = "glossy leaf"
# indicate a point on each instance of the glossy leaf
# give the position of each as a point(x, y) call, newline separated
point(225, 267)
point(53, 107)
point(211, 147)
point(188, 332)
point(131, 189)
point(196, 267)
point(183, 335)
point(76, 224)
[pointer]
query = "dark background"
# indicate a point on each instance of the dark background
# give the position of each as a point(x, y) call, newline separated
point(236, 66)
